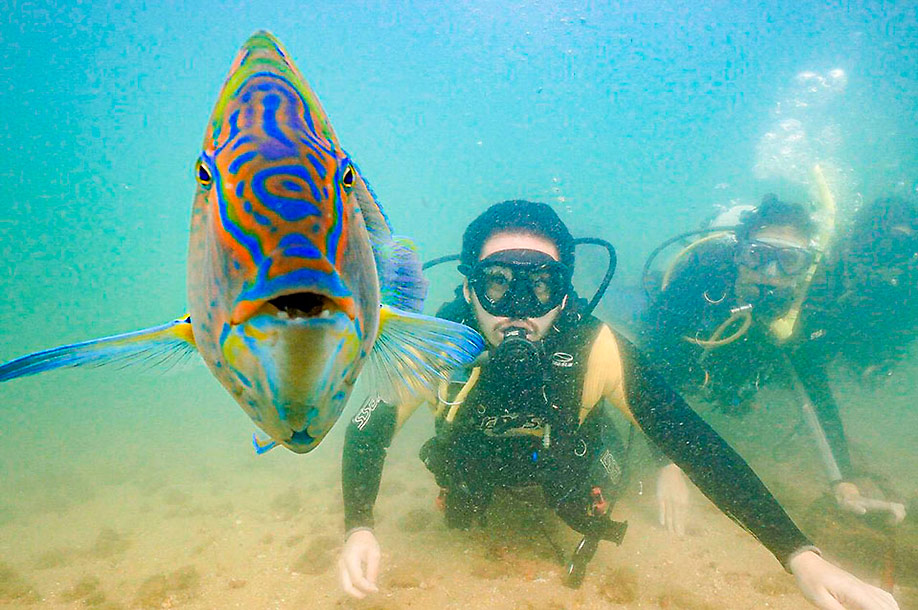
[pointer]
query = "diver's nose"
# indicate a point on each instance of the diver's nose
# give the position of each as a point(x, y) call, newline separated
point(771, 269)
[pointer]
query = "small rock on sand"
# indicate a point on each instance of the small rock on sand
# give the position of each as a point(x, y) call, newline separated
point(619, 585)
point(318, 557)
point(162, 590)
point(680, 599)
point(287, 504)
point(108, 544)
point(416, 520)
point(13, 588)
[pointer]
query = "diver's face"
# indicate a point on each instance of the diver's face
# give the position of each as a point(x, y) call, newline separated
point(771, 264)
point(893, 263)
point(492, 327)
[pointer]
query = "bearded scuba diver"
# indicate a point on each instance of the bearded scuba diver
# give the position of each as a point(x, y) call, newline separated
point(516, 419)
point(537, 410)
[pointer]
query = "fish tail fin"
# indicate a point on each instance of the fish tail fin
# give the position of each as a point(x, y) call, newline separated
point(401, 282)
point(414, 352)
point(262, 445)
point(157, 345)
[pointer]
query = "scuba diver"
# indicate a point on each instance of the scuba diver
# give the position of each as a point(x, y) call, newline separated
point(533, 410)
point(733, 312)
point(867, 303)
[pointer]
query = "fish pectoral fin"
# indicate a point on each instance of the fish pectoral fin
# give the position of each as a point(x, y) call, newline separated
point(401, 282)
point(414, 352)
point(156, 346)
point(262, 445)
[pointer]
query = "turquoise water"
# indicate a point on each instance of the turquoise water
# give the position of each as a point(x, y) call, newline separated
point(634, 121)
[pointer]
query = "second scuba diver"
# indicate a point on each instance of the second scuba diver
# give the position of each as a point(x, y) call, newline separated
point(534, 412)
point(866, 305)
point(735, 310)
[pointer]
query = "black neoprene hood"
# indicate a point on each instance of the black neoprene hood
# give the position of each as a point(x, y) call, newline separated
point(518, 215)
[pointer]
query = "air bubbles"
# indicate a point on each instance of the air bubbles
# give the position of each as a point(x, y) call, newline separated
point(784, 151)
point(834, 80)
point(556, 193)
point(838, 78)
point(803, 131)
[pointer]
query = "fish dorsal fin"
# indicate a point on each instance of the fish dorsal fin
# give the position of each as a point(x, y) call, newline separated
point(414, 352)
point(401, 283)
point(375, 219)
point(398, 266)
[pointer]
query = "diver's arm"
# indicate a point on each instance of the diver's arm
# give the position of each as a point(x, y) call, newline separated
point(366, 440)
point(712, 465)
point(814, 380)
point(368, 436)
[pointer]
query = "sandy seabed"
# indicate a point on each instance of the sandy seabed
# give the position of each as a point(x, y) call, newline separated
point(186, 516)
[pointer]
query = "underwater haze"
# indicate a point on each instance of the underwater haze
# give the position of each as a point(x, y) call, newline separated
point(126, 487)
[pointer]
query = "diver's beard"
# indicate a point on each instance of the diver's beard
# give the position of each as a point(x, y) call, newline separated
point(768, 302)
point(517, 362)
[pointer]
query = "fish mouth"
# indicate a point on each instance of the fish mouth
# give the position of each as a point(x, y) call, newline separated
point(300, 305)
point(295, 306)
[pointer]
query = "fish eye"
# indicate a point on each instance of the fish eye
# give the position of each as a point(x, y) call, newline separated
point(347, 180)
point(202, 173)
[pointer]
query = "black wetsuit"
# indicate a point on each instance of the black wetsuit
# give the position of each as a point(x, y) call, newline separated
point(607, 367)
point(858, 314)
point(698, 298)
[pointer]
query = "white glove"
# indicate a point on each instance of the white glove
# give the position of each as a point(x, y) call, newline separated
point(831, 588)
point(358, 565)
point(849, 498)
point(672, 499)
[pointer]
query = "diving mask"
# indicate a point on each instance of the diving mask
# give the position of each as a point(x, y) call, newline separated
point(770, 255)
point(519, 283)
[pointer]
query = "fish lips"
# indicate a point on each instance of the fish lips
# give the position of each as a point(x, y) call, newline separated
point(294, 306)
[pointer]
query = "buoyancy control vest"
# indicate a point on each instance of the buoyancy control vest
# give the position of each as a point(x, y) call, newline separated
point(497, 430)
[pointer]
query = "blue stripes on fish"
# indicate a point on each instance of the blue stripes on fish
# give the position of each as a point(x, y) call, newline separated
point(241, 160)
point(301, 279)
point(317, 165)
point(249, 242)
point(290, 209)
point(271, 104)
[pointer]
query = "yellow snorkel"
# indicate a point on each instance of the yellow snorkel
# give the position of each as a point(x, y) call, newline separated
point(783, 327)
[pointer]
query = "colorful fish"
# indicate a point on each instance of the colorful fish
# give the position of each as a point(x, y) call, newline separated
point(295, 280)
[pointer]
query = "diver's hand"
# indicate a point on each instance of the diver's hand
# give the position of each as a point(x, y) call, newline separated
point(361, 551)
point(849, 498)
point(672, 498)
point(831, 588)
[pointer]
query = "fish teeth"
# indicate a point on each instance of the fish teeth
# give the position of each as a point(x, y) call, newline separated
point(282, 315)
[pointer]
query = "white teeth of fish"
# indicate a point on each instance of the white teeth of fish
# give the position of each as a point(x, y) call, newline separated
point(292, 313)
